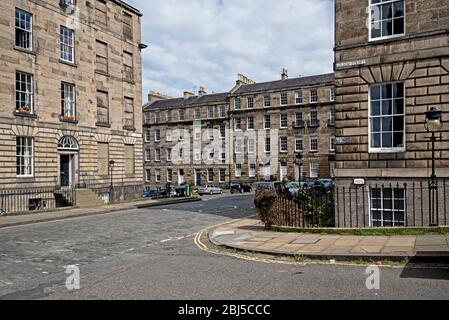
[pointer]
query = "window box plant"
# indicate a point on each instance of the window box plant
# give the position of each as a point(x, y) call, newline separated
point(24, 109)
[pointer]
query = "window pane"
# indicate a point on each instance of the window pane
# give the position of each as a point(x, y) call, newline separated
point(387, 124)
point(376, 141)
point(398, 140)
point(387, 108)
point(387, 11)
point(398, 106)
point(398, 123)
point(398, 9)
point(399, 26)
point(375, 108)
point(387, 140)
point(376, 125)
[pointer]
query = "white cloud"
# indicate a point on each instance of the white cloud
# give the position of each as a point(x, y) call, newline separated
point(208, 42)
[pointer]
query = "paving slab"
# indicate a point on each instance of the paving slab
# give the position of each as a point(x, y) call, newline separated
point(290, 248)
point(305, 241)
point(431, 240)
point(401, 249)
point(367, 249)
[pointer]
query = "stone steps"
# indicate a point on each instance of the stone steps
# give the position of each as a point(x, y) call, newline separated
point(86, 198)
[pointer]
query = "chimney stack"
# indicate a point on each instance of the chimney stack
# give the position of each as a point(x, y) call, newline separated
point(284, 75)
point(188, 94)
point(241, 79)
point(155, 96)
point(202, 91)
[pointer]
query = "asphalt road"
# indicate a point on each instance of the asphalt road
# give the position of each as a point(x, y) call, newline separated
point(150, 254)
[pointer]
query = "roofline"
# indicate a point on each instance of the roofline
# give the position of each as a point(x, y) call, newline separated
point(234, 93)
point(129, 7)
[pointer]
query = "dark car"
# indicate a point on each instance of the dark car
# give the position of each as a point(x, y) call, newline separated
point(240, 187)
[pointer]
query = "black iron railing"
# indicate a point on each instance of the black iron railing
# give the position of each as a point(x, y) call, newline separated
point(36, 199)
point(381, 205)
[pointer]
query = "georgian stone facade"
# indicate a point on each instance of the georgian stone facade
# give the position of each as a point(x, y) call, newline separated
point(70, 95)
point(213, 123)
point(387, 77)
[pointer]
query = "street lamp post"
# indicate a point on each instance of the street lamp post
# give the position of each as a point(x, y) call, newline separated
point(433, 124)
point(299, 164)
point(111, 192)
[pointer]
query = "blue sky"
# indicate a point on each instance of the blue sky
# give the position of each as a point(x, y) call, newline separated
point(207, 43)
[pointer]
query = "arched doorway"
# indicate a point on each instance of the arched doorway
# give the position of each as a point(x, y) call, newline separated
point(68, 149)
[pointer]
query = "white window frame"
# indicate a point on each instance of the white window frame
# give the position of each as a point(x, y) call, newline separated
point(311, 96)
point(169, 176)
point(147, 155)
point(210, 133)
point(382, 209)
point(68, 100)
point(197, 114)
point(248, 122)
point(222, 112)
point(210, 112)
point(281, 96)
point(222, 153)
point(67, 41)
point(157, 175)
point(238, 121)
point(251, 146)
point(311, 144)
point(237, 103)
point(252, 172)
point(220, 176)
point(169, 152)
point(238, 146)
point(209, 172)
point(29, 91)
point(297, 139)
point(332, 143)
point(25, 151)
point(371, 5)
point(238, 170)
point(383, 149)
point(312, 173)
point(168, 116)
point(332, 95)
point(197, 133)
point(168, 135)
point(265, 122)
point(222, 136)
point(250, 102)
point(147, 135)
point(298, 97)
point(265, 104)
point(267, 142)
point(181, 154)
point(157, 155)
point(281, 145)
point(147, 175)
point(157, 137)
point(28, 31)
point(281, 120)
point(197, 155)
point(332, 169)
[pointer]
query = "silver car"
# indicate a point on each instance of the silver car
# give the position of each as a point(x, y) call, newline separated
point(209, 189)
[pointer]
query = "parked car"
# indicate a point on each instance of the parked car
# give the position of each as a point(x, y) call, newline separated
point(327, 183)
point(235, 188)
point(147, 194)
point(277, 186)
point(209, 189)
point(240, 187)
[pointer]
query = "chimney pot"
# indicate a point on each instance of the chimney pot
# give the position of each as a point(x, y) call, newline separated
point(284, 75)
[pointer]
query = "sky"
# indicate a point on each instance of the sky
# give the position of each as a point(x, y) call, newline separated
point(193, 43)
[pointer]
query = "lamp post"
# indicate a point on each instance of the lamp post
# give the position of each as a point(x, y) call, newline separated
point(299, 164)
point(433, 124)
point(111, 192)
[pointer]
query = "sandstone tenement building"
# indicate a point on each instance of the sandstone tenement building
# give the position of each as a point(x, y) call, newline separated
point(391, 67)
point(70, 95)
point(252, 133)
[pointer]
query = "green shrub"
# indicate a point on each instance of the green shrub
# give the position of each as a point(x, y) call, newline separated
point(264, 201)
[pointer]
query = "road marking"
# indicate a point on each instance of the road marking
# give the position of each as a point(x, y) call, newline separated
point(197, 241)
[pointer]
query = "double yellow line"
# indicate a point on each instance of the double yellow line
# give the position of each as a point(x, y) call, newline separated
point(203, 247)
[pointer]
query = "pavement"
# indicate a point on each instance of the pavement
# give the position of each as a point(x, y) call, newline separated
point(69, 213)
point(250, 235)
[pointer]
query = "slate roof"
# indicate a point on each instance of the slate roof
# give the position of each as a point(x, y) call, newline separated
point(181, 102)
point(285, 84)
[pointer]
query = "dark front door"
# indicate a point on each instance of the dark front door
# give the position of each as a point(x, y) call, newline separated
point(65, 170)
point(198, 178)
